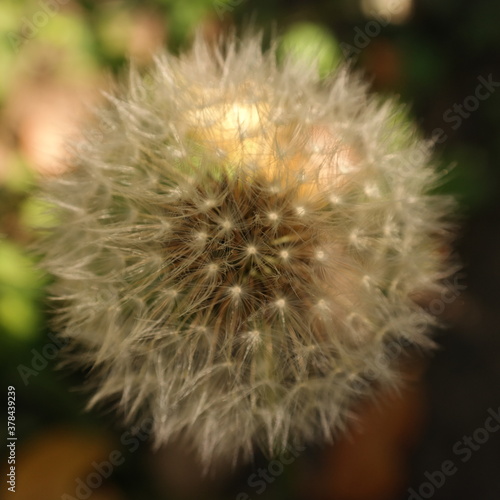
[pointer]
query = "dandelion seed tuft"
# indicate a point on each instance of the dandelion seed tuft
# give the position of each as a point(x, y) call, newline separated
point(251, 250)
point(242, 247)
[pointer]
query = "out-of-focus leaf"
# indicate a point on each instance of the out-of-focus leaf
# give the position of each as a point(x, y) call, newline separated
point(16, 269)
point(311, 42)
point(35, 213)
point(18, 315)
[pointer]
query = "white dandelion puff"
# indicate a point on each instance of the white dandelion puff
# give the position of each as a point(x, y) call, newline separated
point(242, 246)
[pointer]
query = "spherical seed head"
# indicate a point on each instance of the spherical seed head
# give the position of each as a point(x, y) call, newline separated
point(241, 249)
point(281, 303)
point(284, 254)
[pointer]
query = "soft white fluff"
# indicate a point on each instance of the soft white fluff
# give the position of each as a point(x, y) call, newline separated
point(239, 245)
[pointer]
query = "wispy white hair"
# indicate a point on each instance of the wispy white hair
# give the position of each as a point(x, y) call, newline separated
point(239, 246)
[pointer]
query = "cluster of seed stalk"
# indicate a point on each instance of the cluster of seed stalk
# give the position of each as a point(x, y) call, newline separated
point(242, 247)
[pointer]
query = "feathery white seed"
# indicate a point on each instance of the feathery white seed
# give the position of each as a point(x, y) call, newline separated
point(251, 250)
point(280, 303)
point(173, 259)
point(284, 254)
point(301, 211)
point(319, 255)
point(212, 268)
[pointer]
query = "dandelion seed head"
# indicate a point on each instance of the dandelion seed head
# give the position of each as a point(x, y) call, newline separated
point(212, 268)
point(207, 204)
point(285, 254)
point(201, 236)
point(236, 254)
point(251, 250)
point(254, 336)
point(319, 255)
point(280, 303)
point(301, 211)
